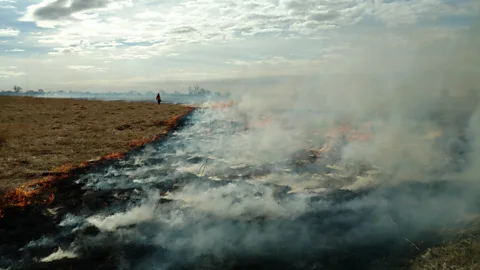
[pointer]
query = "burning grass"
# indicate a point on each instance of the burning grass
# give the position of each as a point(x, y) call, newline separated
point(45, 139)
point(397, 248)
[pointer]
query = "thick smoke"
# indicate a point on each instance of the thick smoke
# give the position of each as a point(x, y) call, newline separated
point(230, 185)
point(408, 86)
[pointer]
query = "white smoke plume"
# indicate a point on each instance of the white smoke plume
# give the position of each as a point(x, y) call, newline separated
point(231, 188)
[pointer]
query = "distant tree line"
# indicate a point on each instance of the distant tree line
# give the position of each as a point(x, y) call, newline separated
point(17, 91)
point(195, 92)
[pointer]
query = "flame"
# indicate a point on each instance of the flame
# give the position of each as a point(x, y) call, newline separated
point(113, 156)
point(63, 169)
point(345, 130)
point(220, 105)
point(217, 105)
point(326, 148)
point(51, 198)
point(83, 164)
point(25, 194)
point(262, 123)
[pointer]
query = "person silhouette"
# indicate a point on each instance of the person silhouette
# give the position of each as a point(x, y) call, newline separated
point(159, 99)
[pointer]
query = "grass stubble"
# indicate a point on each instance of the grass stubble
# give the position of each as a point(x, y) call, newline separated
point(40, 135)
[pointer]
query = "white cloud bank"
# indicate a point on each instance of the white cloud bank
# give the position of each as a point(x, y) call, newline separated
point(9, 32)
point(145, 43)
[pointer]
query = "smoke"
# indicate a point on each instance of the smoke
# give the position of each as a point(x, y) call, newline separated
point(59, 255)
point(233, 186)
point(411, 92)
point(405, 84)
point(135, 215)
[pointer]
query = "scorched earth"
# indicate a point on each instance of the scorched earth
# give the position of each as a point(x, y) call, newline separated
point(226, 193)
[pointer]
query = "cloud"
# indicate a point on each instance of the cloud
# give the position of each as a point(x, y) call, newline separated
point(408, 12)
point(148, 15)
point(9, 32)
point(88, 68)
point(194, 22)
point(9, 71)
point(225, 38)
point(323, 16)
point(189, 22)
point(15, 50)
point(81, 67)
point(7, 7)
point(62, 9)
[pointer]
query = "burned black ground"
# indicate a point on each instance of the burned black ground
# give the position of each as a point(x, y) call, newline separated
point(373, 228)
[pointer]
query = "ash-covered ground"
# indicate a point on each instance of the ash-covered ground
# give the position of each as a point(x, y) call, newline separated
point(231, 191)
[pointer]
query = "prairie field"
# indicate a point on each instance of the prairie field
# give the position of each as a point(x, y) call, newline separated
point(39, 134)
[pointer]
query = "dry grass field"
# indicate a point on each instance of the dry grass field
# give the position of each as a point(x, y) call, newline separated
point(37, 134)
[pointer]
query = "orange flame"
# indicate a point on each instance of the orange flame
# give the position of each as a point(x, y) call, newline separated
point(51, 198)
point(362, 134)
point(113, 156)
point(217, 105)
point(222, 105)
point(25, 194)
point(63, 169)
point(262, 123)
point(83, 164)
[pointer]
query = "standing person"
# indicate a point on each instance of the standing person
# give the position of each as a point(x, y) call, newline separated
point(159, 99)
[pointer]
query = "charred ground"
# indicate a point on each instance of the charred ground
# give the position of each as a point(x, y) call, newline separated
point(382, 234)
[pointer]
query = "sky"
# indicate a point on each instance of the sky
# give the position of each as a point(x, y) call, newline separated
point(224, 45)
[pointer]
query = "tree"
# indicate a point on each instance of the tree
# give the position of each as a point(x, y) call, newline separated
point(193, 91)
point(17, 89)
point(197, 91)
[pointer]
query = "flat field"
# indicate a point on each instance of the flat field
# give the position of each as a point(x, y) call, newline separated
point(39, 134)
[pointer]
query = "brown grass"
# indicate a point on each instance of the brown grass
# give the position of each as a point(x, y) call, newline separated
point(461, 252)
point(38, 135)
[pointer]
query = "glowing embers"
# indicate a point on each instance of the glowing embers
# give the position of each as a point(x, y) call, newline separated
point(347, 132)
point(339, 136)
point(39, 191)
point(62, 169)
point(42, 191)
point(221, 105)
point(27, 194)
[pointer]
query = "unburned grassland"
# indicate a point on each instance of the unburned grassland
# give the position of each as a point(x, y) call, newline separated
point(39, 134)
